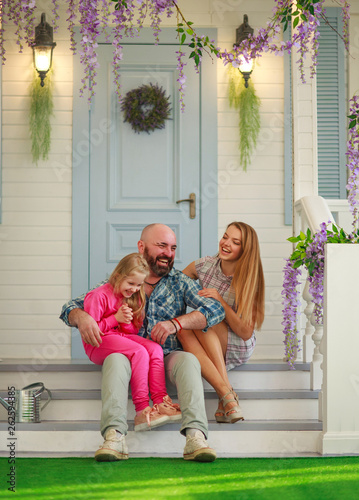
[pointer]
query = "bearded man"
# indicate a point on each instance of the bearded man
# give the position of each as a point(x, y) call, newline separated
point(168, 293)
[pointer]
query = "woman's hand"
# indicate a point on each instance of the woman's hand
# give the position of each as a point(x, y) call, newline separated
point(211, 293)
point(124, 314)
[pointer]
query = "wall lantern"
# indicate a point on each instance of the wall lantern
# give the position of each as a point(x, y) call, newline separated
point(243, 32)
point(42, 48)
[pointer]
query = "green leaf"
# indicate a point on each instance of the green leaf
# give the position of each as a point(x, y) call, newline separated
point(183, 38)
point(335, 229)
point(302, 235)
point(297, 264)
point(196, 59)
point(303, 17)
point(192, 54)
point(352, 124)
point(296, 21)
point(293, 239)
point(190, 32)
point(311, 268)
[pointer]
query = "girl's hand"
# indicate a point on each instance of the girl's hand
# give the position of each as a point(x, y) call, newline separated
point(211, 293)
point(124, 314)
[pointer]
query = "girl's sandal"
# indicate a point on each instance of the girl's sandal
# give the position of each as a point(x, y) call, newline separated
point(230, 416)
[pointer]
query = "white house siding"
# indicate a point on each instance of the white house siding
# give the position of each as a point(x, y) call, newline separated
point(35, 235)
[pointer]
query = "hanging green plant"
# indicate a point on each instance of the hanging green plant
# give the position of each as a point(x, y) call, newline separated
point(41, 109)
point(146, 108)
point(248, 103)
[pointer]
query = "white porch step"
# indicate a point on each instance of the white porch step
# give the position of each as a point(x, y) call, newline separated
point(281, 413)
point(249, 438)
point(75, 405)
point(70, 374)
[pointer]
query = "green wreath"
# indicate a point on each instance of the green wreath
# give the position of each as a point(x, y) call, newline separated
point(146, 108)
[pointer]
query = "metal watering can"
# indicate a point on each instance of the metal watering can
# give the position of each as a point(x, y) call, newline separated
point(27, 401)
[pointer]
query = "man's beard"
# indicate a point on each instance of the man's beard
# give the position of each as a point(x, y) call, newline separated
point(155, 268)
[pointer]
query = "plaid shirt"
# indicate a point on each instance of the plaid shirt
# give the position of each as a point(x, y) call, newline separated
point(168, 300)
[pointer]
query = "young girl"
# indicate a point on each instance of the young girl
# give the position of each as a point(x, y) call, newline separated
point(235, 278)
point(118, 308)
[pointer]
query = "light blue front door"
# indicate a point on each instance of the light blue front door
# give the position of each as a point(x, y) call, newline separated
point(130, 180)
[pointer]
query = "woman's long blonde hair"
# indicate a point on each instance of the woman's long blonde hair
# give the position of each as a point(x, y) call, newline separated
point(132, 263)
point(248, 278)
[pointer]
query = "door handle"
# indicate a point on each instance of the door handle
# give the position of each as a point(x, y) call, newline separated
point(192, 205)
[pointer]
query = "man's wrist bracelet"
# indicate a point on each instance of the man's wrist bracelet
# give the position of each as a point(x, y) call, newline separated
point(174, 324)
point(175, 319)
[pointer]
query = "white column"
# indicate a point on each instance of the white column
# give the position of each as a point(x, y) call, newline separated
point(341, 350)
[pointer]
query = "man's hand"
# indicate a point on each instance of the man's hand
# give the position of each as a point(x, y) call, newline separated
point(161, 331)
point(124, 314)
point(87, 326)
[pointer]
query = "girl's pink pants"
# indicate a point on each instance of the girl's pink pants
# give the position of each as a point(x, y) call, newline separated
point(146, 358)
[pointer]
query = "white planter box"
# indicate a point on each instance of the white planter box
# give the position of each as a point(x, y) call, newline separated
point(340, 347)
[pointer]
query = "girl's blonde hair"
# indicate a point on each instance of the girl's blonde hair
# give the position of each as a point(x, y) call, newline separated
point(132, 263)
point(248, 278)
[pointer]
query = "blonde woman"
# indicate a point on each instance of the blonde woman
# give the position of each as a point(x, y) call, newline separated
point(235, 278)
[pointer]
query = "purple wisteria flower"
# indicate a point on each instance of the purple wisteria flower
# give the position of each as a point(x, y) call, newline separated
point(346, 19)
point(291, 304)
point(89, 33)
point(353, 161)
point(71, 23)
point(315, 254)
point(181, 77)
point(56, 16)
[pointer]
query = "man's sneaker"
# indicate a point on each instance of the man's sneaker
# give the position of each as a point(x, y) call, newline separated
point(149, 419)
point(169, 408)
point(197, 449)
point(114, 447)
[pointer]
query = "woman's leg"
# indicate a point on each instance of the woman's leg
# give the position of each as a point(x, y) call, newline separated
point(210, 372)
point(208, 348)
point(139, 359)
point(214, 342)
point(156, 371)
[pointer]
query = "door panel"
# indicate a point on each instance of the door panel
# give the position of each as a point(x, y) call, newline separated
point(136, 179)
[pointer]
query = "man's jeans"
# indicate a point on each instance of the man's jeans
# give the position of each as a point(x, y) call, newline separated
point(183, 371)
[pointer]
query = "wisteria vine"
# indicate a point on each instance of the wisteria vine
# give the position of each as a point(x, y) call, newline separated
point(123, 18)
point(308, 253)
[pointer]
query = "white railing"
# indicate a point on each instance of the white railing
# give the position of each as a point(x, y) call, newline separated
point(310, 212)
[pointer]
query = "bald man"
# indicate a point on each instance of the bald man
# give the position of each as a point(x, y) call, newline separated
point(168, 293)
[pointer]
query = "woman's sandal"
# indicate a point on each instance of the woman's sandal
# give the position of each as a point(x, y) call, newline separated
point(233, 414)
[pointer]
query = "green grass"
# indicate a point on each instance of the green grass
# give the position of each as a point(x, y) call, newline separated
point(165, 478)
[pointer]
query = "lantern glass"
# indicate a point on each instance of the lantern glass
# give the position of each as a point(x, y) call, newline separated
point(246, 66)
point(42, 58)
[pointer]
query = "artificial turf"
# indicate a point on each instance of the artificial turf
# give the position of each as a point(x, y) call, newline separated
point(165, 478)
